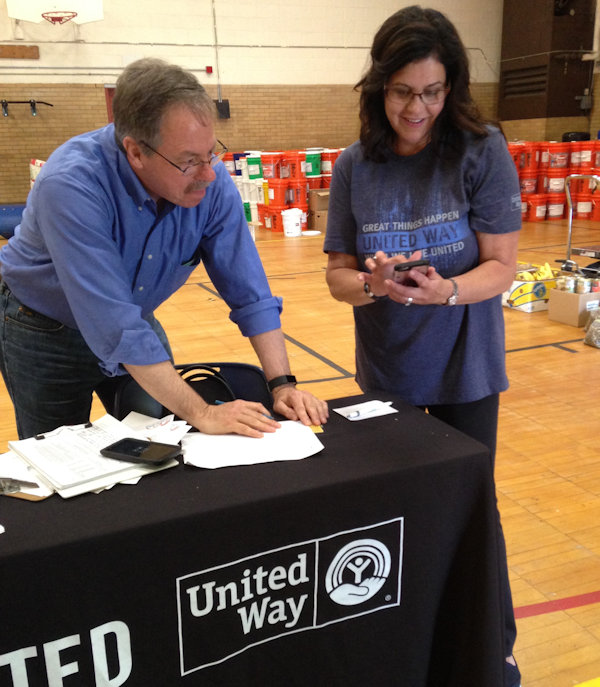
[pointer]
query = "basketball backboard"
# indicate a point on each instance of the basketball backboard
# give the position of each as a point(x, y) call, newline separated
point(31, 10)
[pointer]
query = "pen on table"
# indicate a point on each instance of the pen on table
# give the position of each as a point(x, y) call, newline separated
point(220, 403)
point(362, 413)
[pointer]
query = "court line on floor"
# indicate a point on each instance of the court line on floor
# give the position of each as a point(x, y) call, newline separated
point(552, 344)
point(345, 373)
point(565, 604)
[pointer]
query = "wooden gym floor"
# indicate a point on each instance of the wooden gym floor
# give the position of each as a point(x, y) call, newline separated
point(548, 462)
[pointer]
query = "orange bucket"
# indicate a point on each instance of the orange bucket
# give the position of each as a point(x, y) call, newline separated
point(297, 192)
point(292, 165)
point(582, 156)
point(596, 208)
point(314, 182)
point(326, 180)
point(536, 207)
point(528, 179)
point(516, 151)
point(582, 206)
point(556, 179)
point(278, 191)
point(543, 154)
point(261, 208)
point(559, 154)
point(271, 165)
point(328, 158)
point(557, 203)
point(276, 217)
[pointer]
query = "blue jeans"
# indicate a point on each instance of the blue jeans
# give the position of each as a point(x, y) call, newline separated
point(49, 370)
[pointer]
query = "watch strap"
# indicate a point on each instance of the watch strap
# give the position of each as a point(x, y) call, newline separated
point(453, 299)
point(280, 381)
point(370, 294)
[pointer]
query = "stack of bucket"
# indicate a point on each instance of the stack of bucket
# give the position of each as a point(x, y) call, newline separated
point(543, 167)
point(273, 183)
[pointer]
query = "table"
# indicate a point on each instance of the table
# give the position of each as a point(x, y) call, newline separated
point(373, 563)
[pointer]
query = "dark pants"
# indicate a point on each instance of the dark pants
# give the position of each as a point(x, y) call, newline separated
point(479, 420)
point(49, 370)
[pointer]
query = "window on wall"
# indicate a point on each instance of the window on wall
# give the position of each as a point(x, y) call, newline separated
point(109, 92)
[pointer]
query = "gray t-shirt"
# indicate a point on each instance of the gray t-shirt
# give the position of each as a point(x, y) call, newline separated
point(433, 354)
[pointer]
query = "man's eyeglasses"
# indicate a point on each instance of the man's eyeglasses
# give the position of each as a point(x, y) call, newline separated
point(188, 170)
point(403, 94)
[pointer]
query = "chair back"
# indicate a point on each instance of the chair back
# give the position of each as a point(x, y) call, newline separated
point(213, 381)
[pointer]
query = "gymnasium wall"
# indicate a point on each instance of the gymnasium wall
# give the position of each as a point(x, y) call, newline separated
point(286, 68)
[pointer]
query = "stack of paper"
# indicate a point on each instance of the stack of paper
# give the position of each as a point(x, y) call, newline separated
point(68, 460)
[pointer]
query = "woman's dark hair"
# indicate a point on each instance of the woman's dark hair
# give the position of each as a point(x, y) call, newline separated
point(411, 34)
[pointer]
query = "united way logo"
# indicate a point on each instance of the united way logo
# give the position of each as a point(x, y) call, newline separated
point(358, 572)
point(300, 587)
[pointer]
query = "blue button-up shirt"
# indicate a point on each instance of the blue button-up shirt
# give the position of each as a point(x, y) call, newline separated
point(94, 252)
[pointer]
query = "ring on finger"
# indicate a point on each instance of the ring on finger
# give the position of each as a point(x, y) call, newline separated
point(409, 301)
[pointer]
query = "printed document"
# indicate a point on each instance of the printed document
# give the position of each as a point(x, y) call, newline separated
point(68, 459)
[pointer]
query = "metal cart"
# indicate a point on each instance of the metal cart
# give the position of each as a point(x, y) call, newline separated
point(569, 265)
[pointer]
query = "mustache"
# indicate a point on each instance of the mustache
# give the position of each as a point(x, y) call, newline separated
point(198, 186)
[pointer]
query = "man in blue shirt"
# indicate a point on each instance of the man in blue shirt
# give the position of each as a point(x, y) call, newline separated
point(116, 222)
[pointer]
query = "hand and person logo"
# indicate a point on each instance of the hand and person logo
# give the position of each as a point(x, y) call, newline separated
point(227, 609)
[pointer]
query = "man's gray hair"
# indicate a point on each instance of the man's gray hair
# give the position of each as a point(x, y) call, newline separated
point(146, 89)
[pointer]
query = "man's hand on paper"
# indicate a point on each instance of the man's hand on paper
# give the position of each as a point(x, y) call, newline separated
point(296, 404)
point(238, 417)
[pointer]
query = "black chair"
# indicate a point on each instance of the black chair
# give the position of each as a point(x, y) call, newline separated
point(213, 381)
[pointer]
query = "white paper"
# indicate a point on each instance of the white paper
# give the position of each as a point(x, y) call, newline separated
point(69, 459)
point(291, 441)
point(166, 430)
point(366, 410)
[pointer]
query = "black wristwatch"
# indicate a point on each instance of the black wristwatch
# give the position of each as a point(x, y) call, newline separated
point(280, 381)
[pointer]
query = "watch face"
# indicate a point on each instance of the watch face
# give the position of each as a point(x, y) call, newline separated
point(454, 297)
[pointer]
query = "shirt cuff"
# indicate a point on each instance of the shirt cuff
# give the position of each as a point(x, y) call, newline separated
point(134, 348)
point(259, 317)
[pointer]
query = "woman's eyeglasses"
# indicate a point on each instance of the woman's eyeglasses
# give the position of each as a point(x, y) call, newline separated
point(188, 170)
point(403, 94)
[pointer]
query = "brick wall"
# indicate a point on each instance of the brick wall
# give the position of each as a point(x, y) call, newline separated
point(75, 109)
point(263, 117)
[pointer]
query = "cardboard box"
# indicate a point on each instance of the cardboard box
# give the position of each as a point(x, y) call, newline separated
point(317, 221)
point(529, 296)
point(318, 199)
point(572, 308)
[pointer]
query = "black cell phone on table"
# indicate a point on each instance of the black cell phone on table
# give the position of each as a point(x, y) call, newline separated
point(401, 269)
point(141, 451)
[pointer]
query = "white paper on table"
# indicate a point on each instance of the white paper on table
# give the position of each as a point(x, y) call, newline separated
point(366, 410)
point(291, 441)
point(69, 459)
point(166, 430)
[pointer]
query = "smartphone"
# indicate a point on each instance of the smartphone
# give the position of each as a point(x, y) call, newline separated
point(401, 268)
point(141, 451)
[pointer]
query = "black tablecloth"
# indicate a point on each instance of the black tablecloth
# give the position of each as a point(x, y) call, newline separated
point(373, 563)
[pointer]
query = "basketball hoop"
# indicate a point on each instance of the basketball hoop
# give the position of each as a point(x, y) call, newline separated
point(58, 17)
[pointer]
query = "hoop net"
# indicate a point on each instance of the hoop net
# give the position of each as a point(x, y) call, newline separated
point(59, 17)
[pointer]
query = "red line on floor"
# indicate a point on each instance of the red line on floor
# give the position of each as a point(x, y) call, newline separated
point(557, 605)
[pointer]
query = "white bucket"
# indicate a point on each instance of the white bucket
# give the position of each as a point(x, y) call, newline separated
point(292, 222)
